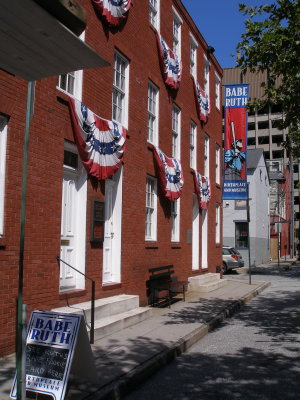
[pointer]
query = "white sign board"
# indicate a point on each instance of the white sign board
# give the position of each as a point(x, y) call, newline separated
point(50, 345)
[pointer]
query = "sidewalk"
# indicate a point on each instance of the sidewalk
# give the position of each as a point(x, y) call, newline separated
point(125, 359)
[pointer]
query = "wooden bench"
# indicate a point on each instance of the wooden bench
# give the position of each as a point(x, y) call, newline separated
point(163, 286)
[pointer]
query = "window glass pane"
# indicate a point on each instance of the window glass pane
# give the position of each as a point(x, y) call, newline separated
point(241, 235)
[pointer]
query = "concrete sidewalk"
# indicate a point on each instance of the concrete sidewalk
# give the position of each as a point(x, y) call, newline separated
point(126, 358)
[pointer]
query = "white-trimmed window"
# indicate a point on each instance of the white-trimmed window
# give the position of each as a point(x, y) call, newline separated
point(154, 6)
point(120, 90)
point(3, 140)
point(151, 209)
point(177, 22)
point(218, 226)
point(193, 57)
point(71, 83)
point(218, 163)
point(206, 76)
point(152, 124)
point(193, 145)
point(206, 155)
point(175, 218)
point(176, 117)
point(218, 91)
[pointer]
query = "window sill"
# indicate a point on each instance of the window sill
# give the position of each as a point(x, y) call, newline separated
point(152, 245)
point(111, 285)
point(68, 294)
point(2, 244)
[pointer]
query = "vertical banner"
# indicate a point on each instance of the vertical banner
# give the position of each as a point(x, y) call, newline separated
point(235, 143)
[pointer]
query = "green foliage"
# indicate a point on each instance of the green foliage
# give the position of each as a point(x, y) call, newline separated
point(271, 43)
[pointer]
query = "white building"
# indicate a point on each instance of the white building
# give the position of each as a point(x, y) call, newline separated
point(235, 218)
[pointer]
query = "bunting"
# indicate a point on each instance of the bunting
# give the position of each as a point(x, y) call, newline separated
point(202, 101)
point(113, 11)
point(100, 143)
point(170, 65)
point(202, 188)
point(170, 174)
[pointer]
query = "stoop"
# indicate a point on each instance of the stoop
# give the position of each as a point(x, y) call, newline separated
point(112, 314)
point(206, 283)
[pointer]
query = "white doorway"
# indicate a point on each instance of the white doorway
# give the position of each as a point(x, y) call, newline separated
point(73, 221)
point(195, 234)
point(204, 240)
point(112, 229)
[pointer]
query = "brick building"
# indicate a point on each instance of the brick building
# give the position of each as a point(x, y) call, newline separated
point(99, 226)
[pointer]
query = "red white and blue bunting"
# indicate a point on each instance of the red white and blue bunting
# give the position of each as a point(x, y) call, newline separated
point(202, 102)
point(100, 143)
point(170, 174)
point(113, 11)
point(202, 188)
point(170, 65)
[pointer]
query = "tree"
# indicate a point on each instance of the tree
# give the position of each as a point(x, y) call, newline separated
point(271, 43)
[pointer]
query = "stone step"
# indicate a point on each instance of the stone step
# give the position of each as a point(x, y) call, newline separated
point(105, 307)
point(206, 283)
point(112, 314)
point(115, 323)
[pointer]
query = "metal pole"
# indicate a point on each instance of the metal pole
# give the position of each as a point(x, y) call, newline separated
point(248, 233)
point(278, 228)
point(92, 314)
point(292, 210)
point(20, 324)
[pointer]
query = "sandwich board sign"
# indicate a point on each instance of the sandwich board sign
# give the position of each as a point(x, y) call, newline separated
point(55, 343)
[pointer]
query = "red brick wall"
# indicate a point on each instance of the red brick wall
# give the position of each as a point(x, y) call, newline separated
point(51, 126)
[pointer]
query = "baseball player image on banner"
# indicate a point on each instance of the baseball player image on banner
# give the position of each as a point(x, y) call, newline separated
point(235, 143)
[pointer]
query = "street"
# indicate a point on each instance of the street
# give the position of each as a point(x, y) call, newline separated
point(253, 355)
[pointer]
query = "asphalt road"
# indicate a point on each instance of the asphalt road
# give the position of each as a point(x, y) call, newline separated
point(253, 355)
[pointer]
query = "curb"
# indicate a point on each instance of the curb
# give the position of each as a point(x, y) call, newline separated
point(122, 386)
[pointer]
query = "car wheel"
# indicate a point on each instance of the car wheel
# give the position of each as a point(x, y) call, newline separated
point(224, 268)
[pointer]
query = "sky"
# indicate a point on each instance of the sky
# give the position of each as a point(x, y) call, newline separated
point(221, 24)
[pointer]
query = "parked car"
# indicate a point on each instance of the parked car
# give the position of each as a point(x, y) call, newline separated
point(231, 259)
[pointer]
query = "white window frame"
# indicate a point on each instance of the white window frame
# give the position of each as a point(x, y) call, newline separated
point(176, 131)
point(177, 22)
point(193, 145)
point(206, 76)
point(3, 144)
point(206, 155)
point(151, 209)
point(152, 120)
point(218, 164)
point(218, 91)
point(71, 83)
point(154, 13)
point(120, 92)
point(175, 219)
point(218, 225)
point(193, 56)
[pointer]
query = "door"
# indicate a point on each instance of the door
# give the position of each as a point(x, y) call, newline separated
point(204, 240)
point(112, 229)
point(73, 223)
point(195, 237)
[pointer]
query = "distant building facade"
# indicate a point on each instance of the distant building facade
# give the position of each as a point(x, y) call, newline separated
point(235, 215)
point(263, 133)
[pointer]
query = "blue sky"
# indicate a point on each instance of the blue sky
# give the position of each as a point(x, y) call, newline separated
point(221, 24)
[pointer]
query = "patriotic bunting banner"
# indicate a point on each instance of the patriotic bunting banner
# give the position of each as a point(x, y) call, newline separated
point(202, 188)
point(170, 65)
point(202, 102)
point(100, 143)
point(113, 11)
point(170, 174)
